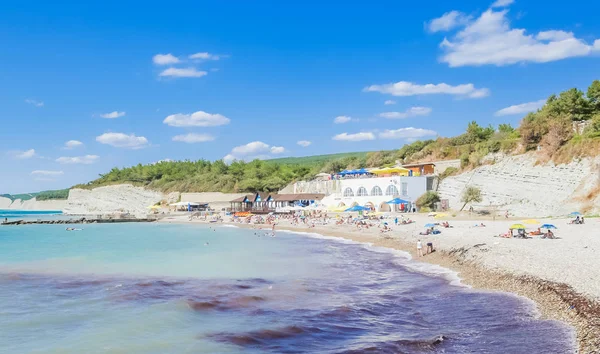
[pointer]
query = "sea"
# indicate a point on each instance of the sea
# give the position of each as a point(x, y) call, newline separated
point(176, 288)
point(29, 214)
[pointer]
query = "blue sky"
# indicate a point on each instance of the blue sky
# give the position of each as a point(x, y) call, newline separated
point(270, 74)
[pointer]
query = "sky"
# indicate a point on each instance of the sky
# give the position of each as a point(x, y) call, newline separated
point(86, 87)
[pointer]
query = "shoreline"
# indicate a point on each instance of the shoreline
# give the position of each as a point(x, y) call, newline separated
point(553, 300)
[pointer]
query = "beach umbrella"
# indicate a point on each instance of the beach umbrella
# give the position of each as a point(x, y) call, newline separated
point(517, 226)
point(430, 225)
point(439, 216)
point(531, 221)
point(575, 213)
point(357, 208)
point(548, 226)
point(398, 201)
point(154, 207)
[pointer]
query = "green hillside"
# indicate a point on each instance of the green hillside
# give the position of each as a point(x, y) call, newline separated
point(317, 159)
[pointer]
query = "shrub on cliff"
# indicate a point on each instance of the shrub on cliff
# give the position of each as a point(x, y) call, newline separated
point(428, 200)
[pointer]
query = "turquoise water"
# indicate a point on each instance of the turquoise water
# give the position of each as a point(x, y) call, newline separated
point(28, 214)
point(157, 288)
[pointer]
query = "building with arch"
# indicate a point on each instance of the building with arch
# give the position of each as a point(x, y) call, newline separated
point(375, 192)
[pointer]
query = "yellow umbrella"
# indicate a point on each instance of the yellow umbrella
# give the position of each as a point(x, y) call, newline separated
point(517, 226)
point(154, 207)
point(531, 221)
point(439, 216)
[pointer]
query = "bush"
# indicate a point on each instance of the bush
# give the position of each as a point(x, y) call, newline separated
point(470, 195)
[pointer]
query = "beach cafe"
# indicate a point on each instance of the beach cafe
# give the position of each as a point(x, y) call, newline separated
point(262, 202)
point(189, 206)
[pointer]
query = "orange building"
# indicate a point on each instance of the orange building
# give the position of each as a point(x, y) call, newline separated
point(421, 169)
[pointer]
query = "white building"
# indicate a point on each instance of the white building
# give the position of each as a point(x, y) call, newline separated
point(375, 192)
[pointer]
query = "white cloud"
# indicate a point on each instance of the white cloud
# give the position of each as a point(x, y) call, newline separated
point(277, 149)
point(182, 72)
point(47, 173)
point(502, 3)
point(521, 108)
point(165, 59)
point(253, 150)
point(112, 115)
point(85, 160)
point(34, 102)
point(72, 144)
point(389, 102)
point(447, 21)
point(193, 138)
point(411, 112)
point(405, 88)
point(204, 56)
point(304, 143)
point(406, 133)
point(342, 119)
point(23, 155)
point(354, 137)
point(121, 140)
point(254, 147)
point(490, 40)
point(196, 119)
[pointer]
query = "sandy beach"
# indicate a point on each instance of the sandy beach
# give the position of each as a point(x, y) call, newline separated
point(559, 275)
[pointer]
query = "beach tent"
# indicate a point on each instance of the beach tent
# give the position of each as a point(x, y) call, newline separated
point(517, 227)
point(357, 208)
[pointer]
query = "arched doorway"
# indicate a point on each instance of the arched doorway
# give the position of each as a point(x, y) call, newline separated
point(370, 205)
point(384, 207)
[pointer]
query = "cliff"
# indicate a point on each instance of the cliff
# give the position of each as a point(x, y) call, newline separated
point(524, 188)
point(32, 204)
point(123, 198)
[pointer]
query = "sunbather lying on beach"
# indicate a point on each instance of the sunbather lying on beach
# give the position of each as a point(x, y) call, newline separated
point(538, 232)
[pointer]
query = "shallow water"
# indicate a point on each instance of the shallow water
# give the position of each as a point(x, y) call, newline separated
point(156, 288)
point(30, 214)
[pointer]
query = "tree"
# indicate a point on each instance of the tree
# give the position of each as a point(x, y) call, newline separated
point(593, 95)
point(428, 200)
point(470, 195)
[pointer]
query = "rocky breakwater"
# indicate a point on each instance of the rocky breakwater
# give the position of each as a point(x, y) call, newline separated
point(525, 188)
point(122, 198)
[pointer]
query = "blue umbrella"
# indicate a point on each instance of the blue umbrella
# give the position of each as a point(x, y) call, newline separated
point(575, 213)
point(358, 208)
point(547, 226)
point(430, 225)
point(398, 201)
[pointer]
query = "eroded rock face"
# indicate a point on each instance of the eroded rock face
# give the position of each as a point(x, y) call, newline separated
point(517, 184)
point(122, 198)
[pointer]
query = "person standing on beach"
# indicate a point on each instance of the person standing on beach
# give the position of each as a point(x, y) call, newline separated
point(419, 248)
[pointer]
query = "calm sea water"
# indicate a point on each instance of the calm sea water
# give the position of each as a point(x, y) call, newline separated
point(28, 214)
point(156, 288)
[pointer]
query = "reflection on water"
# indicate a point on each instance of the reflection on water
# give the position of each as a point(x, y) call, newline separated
point(288, 294)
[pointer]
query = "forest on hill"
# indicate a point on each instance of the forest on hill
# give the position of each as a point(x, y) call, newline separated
point(567, 126)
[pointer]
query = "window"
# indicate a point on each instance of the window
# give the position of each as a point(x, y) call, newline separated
point(404, 188)
point(362, 192)
point(376, 191)
point(391, 190)
point(348, 192)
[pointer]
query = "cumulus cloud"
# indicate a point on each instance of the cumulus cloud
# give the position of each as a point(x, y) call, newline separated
point(84, 160)
point(277, 149)
point(389, 102)
point(182, 72)
point(409, 133)
point(411, 112)
point(112, 115)
point(447, 21)
point(121, 140)
point(72, 144)
point(196, 119)
point(405, 88)
point(304, 143)
point(502, 3)
point(354, 137)
point(521, 108)
point(165, 59)
point(490, 40)
point(342, 119)
point(253, 150)
point(23, 155)
point(204, 56)
point(193, 138)
point(46, 173)
point(34, 102)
